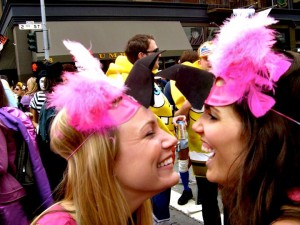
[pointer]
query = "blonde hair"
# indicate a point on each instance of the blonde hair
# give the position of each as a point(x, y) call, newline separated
point(20, 84)
point(32, 81)
point(90, 182)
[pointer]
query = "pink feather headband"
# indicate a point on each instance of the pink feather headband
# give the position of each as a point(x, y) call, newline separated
point(93, 101)
point(246, 65)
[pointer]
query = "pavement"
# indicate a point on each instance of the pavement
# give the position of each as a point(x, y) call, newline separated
point(189, 214)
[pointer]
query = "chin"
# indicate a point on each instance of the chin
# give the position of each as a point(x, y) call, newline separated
point(211, 177)
point(174, 180)
point(171, 181)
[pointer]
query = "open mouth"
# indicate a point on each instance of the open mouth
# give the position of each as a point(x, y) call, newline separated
point(208, 151)
point(165, 162)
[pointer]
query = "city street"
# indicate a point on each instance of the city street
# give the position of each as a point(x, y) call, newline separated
point(186, 214)
point(190, 213)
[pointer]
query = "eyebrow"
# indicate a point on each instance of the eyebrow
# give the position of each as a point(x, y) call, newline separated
point(149, 122)
point(215, 109)
point(212, 108)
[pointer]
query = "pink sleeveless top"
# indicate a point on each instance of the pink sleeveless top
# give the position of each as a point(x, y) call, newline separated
point(57, 215)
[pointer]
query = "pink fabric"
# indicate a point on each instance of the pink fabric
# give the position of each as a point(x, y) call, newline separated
point(89, 96)
point(56, 215)
point(120, 114)
point(294, 194)
point(126, 109)
point(244, 60)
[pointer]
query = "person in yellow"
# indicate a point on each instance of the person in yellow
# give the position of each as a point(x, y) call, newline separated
point(176, 98)
point(207, 191)
point(204, 51)
point(138, 47)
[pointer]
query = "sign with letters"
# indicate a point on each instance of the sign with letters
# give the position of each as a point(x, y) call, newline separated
point(30, 26)
point(110, 55)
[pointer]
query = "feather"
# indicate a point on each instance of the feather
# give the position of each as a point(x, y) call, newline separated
point(83, 57)
point(87, 95)
point(244, 59)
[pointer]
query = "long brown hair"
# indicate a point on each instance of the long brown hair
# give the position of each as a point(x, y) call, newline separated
point(270, 163)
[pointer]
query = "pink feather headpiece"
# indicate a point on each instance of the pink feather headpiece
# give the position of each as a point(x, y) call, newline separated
point(246, 64)
point(93, 101)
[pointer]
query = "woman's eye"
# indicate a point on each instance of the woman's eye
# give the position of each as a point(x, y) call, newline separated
point(212, 117)
point(150, 133)
point(208, 115)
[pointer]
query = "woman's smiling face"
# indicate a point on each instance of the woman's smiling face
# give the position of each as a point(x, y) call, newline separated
point(220, 129)
point(144, 164)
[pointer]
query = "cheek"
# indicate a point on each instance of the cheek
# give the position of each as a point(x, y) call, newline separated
point(123, 165)
point(125, 156)
point(228, 151)
point(215, 135)
point(134, 168)
point(226, 143)
point(134, 156)
point(228, 155)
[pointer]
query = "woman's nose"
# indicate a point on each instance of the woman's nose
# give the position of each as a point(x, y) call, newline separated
point(169, 141)
point(198, 126)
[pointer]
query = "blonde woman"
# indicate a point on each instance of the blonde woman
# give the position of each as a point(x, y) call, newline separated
point(118, 157)
point(19, 91)
point(32, 87)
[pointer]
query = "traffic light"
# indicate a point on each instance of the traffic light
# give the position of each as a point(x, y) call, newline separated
point(32, 45)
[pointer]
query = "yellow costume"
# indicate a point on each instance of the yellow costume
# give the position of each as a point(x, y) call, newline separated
point(194, 141)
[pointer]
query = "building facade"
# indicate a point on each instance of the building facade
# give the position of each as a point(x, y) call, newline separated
point(105, 27)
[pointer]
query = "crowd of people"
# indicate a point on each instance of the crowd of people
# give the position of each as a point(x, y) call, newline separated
point(83, 146)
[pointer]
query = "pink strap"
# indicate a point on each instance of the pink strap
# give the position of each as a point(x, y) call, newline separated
point(79, 146)
point(285, 116)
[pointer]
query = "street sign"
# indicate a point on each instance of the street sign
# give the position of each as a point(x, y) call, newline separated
point(30, 26)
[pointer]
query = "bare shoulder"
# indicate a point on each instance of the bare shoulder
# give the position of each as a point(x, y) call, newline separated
point(287, 222)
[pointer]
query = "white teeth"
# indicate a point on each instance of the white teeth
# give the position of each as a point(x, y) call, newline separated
point(209, 152)
point(165, 162)
point(205, 149)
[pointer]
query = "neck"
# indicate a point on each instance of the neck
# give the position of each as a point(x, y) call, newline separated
point(135, 200)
